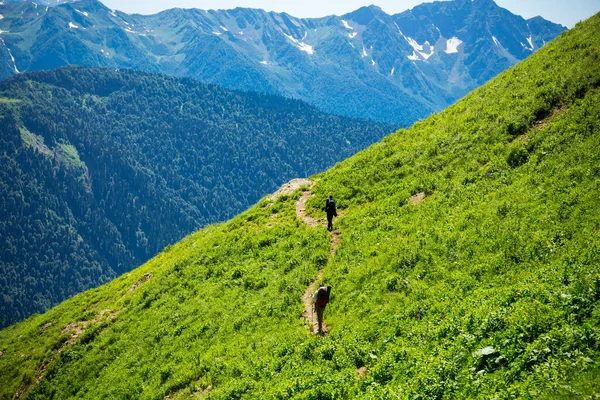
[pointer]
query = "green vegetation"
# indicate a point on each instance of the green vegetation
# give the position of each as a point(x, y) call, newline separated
point(101, 169)
point(4, 100)
point(488, 287)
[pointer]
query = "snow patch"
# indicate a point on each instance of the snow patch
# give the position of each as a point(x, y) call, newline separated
point(217, 33)
point(264, 62)
point(496, 41)
point(11, 56)
point(352, 35)
point(347, 25)
point(113, 13)
point(1, 16)
point(73, 26)
point(224, 29)
point(13, 60)
point(301, 45)
point(84, 13)
point(372, 62)
point(420, 52)
point(452, 45)
point(531, 45)
point(530, 40)
point(392, 72)
point(129, 30)
point(364, 52)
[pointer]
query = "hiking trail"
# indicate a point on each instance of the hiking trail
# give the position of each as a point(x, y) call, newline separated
point(309, 313)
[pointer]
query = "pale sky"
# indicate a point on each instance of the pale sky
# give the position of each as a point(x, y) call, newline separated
point(566, 12)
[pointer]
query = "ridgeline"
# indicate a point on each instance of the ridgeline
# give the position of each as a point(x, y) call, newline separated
point(468, 267)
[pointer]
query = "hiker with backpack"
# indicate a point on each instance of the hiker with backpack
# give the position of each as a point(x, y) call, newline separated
point(321, 298)
point(331, 211)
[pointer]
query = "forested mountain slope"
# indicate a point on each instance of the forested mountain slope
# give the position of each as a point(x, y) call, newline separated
point(101, 169)
point(468, 267)
point(367, 64)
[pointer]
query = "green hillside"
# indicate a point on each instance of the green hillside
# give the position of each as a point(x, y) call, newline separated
point(468, 267)
point(101, 169)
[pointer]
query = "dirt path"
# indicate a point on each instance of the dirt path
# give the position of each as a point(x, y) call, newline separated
point(309, 313)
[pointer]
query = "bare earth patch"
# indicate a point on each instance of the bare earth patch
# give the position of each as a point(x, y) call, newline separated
point(417, 199)
point(291, 187)
point(301, 210)
point(144, 278)
point(361, 372)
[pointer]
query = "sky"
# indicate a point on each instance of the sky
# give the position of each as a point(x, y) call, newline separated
point(565, 12)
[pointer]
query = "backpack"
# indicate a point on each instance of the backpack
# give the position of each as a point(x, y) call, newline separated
point(322, 297)
point(331, 207)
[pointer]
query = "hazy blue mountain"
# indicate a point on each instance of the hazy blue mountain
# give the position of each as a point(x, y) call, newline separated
point(368, 64)
point(48, 3)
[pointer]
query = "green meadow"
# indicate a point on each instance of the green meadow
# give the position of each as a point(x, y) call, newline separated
point(468, 267)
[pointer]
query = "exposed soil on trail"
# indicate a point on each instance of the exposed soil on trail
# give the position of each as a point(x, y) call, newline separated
point(335, 242)
point(310, 221)
point(143, 279)
point(309, 312)
point(291, 187)
point(301, 210)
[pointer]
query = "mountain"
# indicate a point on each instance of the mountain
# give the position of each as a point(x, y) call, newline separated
point(48, 3)
point(366, 64)
point(102, 169)
point(467, 266)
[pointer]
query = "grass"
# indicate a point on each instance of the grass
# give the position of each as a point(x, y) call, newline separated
point(489, 287)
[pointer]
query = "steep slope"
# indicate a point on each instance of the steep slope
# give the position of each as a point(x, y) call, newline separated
point(366, 64)
point(101, 169)
point(468, 267)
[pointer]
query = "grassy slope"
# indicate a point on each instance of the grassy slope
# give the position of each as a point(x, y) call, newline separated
point(503, 253)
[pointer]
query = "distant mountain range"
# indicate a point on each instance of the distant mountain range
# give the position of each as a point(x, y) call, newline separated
point(49, 3)
point(367, 64)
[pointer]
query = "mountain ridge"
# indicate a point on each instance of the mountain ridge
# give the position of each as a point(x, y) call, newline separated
point(393, 68)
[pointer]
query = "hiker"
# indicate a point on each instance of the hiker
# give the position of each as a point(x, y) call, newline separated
point(331, 211)
point(321, 298)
